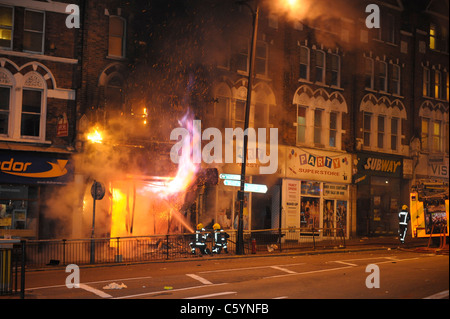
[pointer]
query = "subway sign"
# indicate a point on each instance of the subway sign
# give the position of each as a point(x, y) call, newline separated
point(35, 169)
point(380, 165)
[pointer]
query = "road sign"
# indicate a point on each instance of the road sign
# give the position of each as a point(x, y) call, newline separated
point(230, 176)
point(252, 188)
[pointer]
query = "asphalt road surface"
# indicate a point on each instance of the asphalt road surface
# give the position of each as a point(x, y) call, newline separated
point(383, 274)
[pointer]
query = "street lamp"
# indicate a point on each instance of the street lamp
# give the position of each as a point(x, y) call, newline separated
point(240, 233)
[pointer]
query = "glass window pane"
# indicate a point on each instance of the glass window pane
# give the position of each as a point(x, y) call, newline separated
point(31, 101)
point(34, 21)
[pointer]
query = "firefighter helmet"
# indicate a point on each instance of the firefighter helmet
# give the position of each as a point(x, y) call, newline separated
point(200, 226)
point(216, 226)
point(404, 207)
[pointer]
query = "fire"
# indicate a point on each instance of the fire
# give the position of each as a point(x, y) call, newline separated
point(95, 136)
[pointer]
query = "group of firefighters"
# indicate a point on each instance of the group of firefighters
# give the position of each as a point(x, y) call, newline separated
point(220, 238)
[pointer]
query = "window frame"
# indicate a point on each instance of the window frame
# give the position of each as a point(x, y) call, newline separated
point(308, 62)
point(426, 82)
point(367, 130)
point(11, 28)
point(36, 32)
point(123, 38)
point(321, 68)
point(7, 111)
point(337, 71)
point(394, 133)
point(372, 72)
point(385, 68)
point(395, 82)
point(318, 126)
point(304, 126)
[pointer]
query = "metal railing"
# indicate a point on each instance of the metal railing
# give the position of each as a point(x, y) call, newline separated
point(12, 267)
point(173, 246)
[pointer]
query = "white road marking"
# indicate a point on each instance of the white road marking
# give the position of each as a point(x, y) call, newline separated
point(95, 291)
point(440, 295)
point(165, 291)
point(344, 263)
point(213, 295)
point(283, 269)
point(90, 283)
point(201, 279)
point(247, 268)
point(282, 297)
point(309, 272)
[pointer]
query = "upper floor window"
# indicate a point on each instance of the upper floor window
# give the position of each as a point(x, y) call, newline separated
point(425, 134)
point(437, 136)
point(116, 43)
point(368, 72)
point(318, 126)
point(394, 133)
point(426, 90)
point(301, 124)
point(432, 36)
point(239, 114)
point(6, 26)
point(367, 128)
point(33, 31)
point(437, 84)
point(395, 80)
point(382, 76)
point(31, 113)
point(261, 58)
point(381, 124)
point(320, 66)
point(335, 70)
point(333, 129)
point(5, 97)
point(304, 63)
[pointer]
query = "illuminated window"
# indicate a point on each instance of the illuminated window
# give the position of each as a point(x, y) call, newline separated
point(432, 37)
point(6, 26)
point(116, 42)
point(425, 133)
point(436, 136)
point(33, 32)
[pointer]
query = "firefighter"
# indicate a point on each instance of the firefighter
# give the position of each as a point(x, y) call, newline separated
point(200, 241)
point(220, 239)
point(403, 219)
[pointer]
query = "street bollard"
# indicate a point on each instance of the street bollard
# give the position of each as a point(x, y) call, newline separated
point(253, 246)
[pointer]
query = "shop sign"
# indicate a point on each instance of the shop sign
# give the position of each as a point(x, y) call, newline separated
point(335, 190)
point(34, 169)
point(318, 165)
point(62, 127)
point(379, 165)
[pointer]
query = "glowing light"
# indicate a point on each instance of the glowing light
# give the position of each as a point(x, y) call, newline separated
point(95, 137)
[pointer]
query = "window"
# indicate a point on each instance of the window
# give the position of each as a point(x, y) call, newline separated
point(380, 132)
point(5, 93)
point(301, 124)
point(304, 63)
point(318, 126)
point(367, 128)
point(395, 80)
point(447, 88)
point(335, 67)
point(221, 111)
point(333, 128)
point(320, 66)
point(368, 73)
point(260, 116)
point(116, 45)
point(426, 82)
point(261, 58)
point(394, 133)
point(390, 29)
point(239, 115)
point(6, 26)
point(447, 141)
point(424, 134)
point(382, 74)
point(33, 33)
point(437, 84)
point(432, 36)
point(31, 113)
point(437, 136)
point(242, 52)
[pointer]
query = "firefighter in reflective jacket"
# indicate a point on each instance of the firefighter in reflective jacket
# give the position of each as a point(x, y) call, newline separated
point(403, 219)
point(200, 240)
point(220, 240)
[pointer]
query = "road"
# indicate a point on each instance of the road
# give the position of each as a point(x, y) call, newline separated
point(402, 274)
